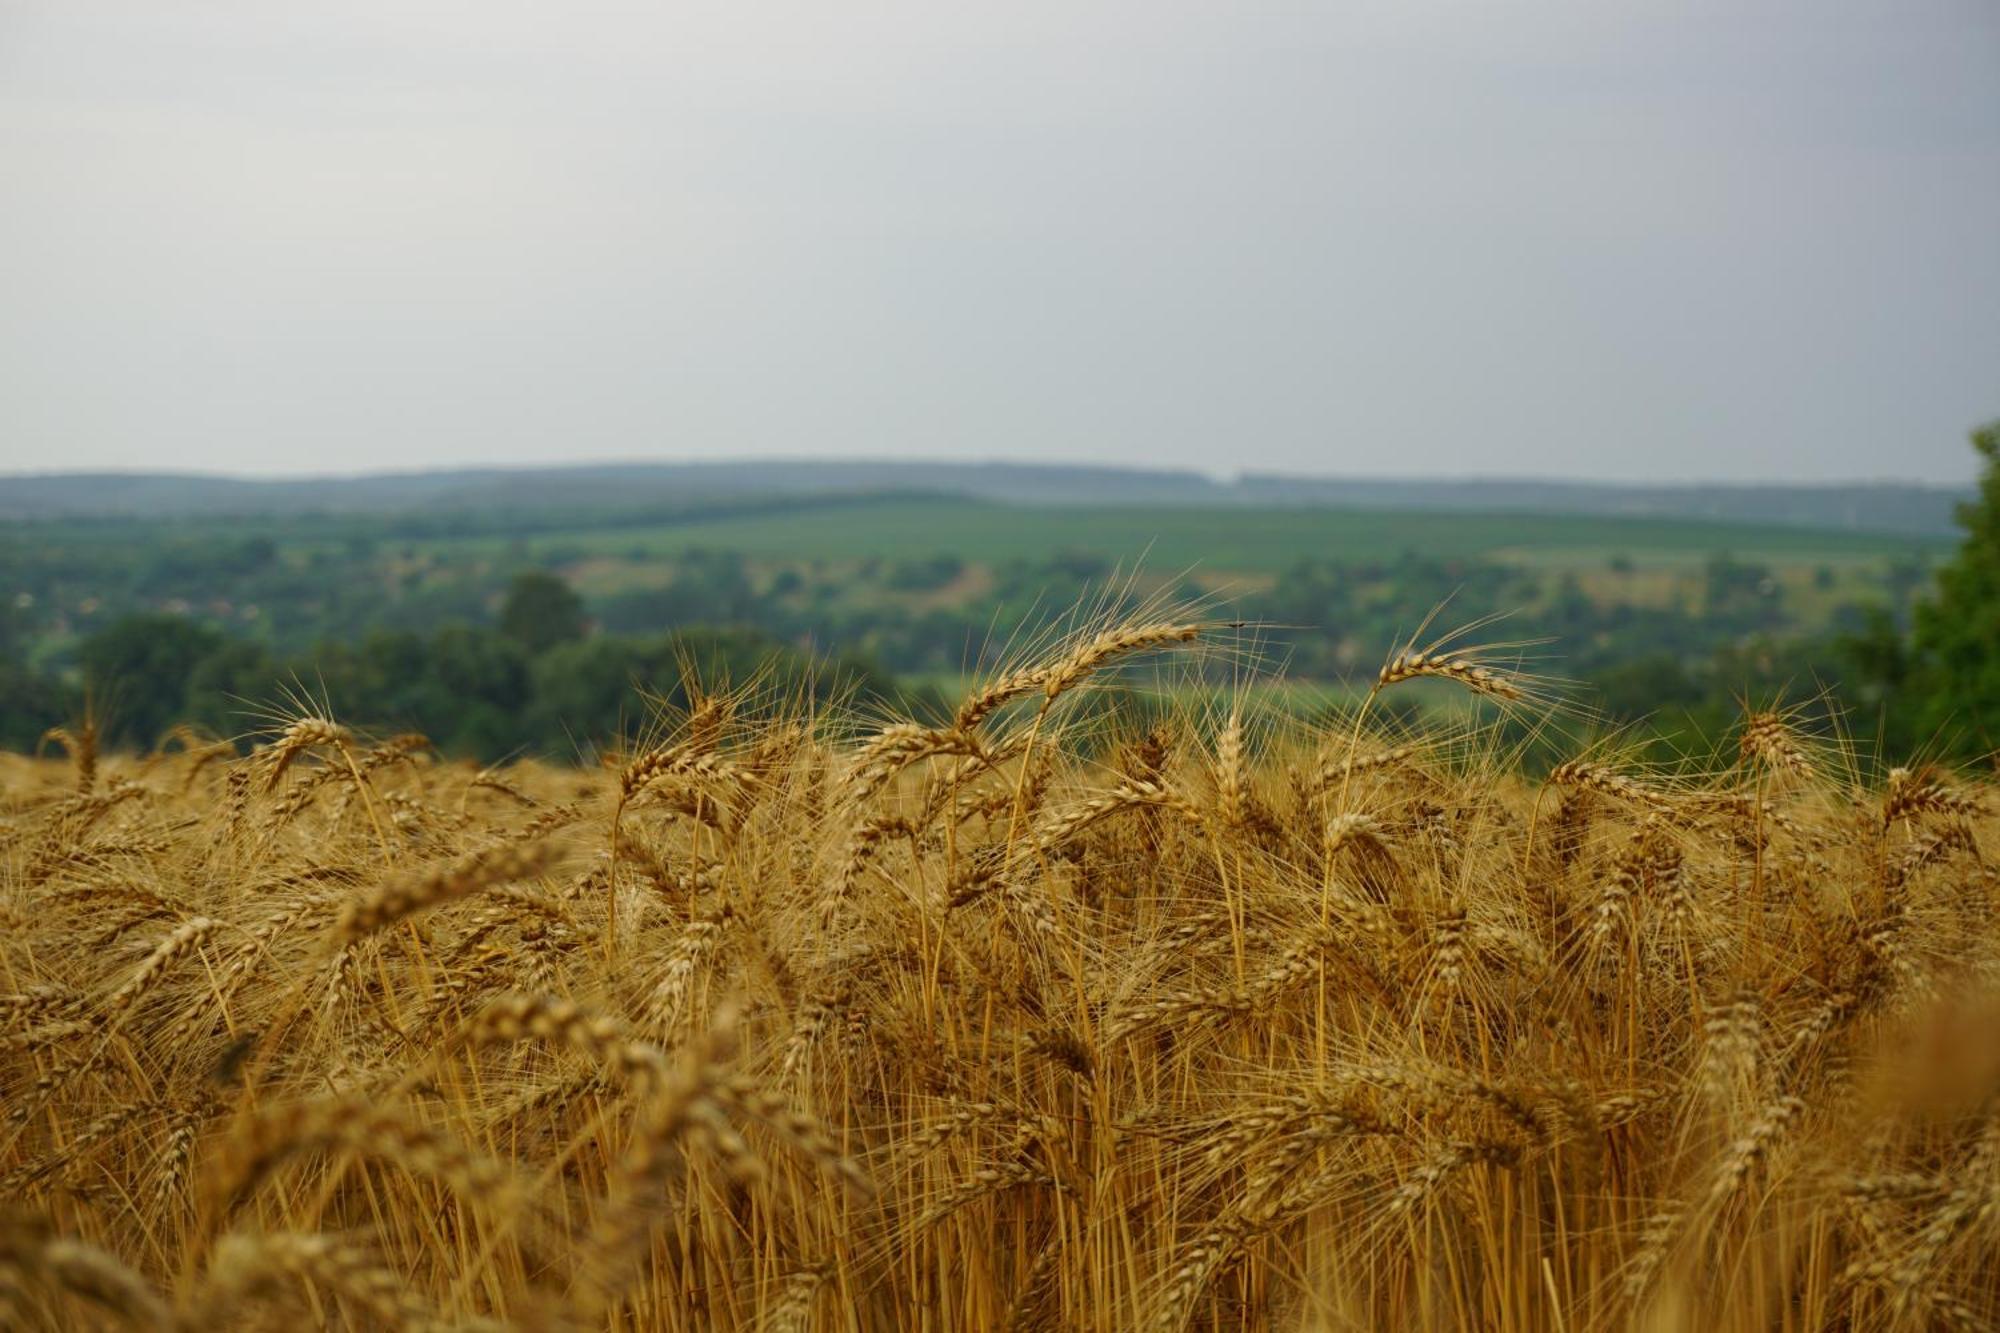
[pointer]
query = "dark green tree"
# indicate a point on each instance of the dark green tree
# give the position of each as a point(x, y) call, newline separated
point(541, 611)
point(138, 670)
point(1876, 682)
point(231, 688)
point(478, 690)
point(33, 702)
point(1957, 633)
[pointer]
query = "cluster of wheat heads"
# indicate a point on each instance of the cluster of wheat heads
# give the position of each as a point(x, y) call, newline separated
point(1030, 1018)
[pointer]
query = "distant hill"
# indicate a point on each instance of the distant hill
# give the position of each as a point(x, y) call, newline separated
point(1893, 507)
point(1884, 507)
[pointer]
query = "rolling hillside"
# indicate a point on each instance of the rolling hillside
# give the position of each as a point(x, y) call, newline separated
point(1853, 507)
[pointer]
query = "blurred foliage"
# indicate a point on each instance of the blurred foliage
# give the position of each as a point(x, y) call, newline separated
point(503, 644)
point(1956, 649)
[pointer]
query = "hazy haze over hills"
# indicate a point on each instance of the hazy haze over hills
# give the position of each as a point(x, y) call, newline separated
point(1877, 507)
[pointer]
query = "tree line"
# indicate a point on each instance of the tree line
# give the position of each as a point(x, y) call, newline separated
point(535, 682)
point(1920, 673)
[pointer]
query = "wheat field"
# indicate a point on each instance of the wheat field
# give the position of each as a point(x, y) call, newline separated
point(1042, 1017)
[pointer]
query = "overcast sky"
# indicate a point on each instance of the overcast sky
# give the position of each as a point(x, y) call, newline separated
point(1746, 239)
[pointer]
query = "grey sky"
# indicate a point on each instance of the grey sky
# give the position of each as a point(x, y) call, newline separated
point(1738, 239)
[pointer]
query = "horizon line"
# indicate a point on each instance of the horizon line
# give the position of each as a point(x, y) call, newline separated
point(1218, 479)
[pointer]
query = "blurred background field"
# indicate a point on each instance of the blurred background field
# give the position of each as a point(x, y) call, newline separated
point(513, 613)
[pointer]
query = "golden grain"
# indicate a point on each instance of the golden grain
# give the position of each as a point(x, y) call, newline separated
point(1017, 1021)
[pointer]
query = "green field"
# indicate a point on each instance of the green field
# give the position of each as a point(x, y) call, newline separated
point(1218, 539)
point(407, 616)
